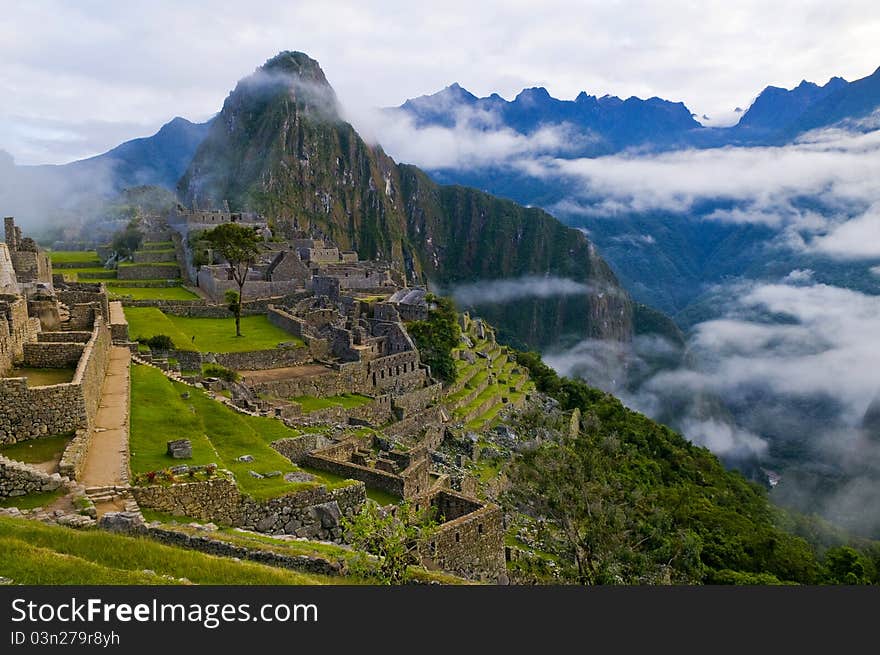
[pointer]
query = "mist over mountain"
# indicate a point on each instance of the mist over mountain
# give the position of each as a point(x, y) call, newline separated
point(280, 146)
point(37, 194)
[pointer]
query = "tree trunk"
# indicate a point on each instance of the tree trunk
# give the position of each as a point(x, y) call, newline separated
point(238, 313)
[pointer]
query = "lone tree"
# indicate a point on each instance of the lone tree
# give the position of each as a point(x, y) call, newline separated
point(127, 240)
point(239, 246)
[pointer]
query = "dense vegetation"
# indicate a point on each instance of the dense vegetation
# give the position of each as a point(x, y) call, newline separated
point(437, 336)
point(630, 501)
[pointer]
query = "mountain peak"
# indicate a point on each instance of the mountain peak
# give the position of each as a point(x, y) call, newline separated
point(292, 75)
point(533, 94)
point(295, 63)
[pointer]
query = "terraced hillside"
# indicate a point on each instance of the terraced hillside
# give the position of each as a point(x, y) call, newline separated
point(86, 266)
point(487, 381)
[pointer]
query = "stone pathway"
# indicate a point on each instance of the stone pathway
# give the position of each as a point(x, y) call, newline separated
point(107, 459)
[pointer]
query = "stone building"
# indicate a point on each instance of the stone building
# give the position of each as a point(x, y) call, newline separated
point(30, 263)
point(46, 326)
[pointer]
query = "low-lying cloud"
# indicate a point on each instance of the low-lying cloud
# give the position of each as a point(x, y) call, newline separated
point(476, 139)
point(505, 290)
point(791, 368)
point(820, 192)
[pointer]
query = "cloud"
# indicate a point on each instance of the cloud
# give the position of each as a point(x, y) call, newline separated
point(799, 275)
point(858, 238)
point(529, 286)
point(475, 139)
point(826, 346)
point(146, 62)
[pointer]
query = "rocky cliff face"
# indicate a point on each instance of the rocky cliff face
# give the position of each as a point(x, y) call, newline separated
point(279, 146)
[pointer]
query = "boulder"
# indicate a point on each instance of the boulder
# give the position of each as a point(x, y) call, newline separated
point(298, 476)
point(180, 449)
point(126, 522)
point(328, 514)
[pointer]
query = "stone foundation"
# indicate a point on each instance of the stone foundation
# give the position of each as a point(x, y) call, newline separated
point(312, 513)
point(19, 479)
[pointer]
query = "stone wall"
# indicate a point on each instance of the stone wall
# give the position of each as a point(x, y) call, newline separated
point(19, 479)
point(118, 323)
point(32, 412)
point(280, 317)
point(147, 271)
point(74, 457)
point(209, 500)
point(371, 477)
point(216, 287)
point(412, 402)
point(376, 412)
point(256, 360)
point(52, 355)
point(470, 545)
point(79, 293)
point(296, 448)
point(312, 513)
point(154, 257)
point(16, 329)
point(204, 543)
point(78, 336)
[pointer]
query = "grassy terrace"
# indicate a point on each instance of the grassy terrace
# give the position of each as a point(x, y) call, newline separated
point(475, 375)
point(151, 293)
point(346, 400)
point(34, 553)
point(30, 501)
point(84, 257)
point(211, 334)
point(36, 451)
point(158, 245)
point(218, 434)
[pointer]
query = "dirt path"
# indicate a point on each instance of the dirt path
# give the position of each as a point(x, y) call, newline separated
point(108, 451)
point(287, 373)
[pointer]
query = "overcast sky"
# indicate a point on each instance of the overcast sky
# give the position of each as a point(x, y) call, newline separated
point(78, 78)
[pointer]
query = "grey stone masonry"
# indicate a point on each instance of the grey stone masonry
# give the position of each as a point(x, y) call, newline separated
point(19, 479)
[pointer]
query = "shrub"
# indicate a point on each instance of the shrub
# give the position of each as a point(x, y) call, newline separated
point(217, 371)
point(160, 342)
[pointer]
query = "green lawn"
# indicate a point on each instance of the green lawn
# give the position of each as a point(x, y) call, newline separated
point(346, 400)
point(152, 293)
point(218, 434)
point(211, 334)
point(158, 245)
point(36, 451)
point(30, 501)
point(74, 257)
point(33, 553)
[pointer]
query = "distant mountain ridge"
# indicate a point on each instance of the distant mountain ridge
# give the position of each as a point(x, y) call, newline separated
point(609, 123)
point(777, 115)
